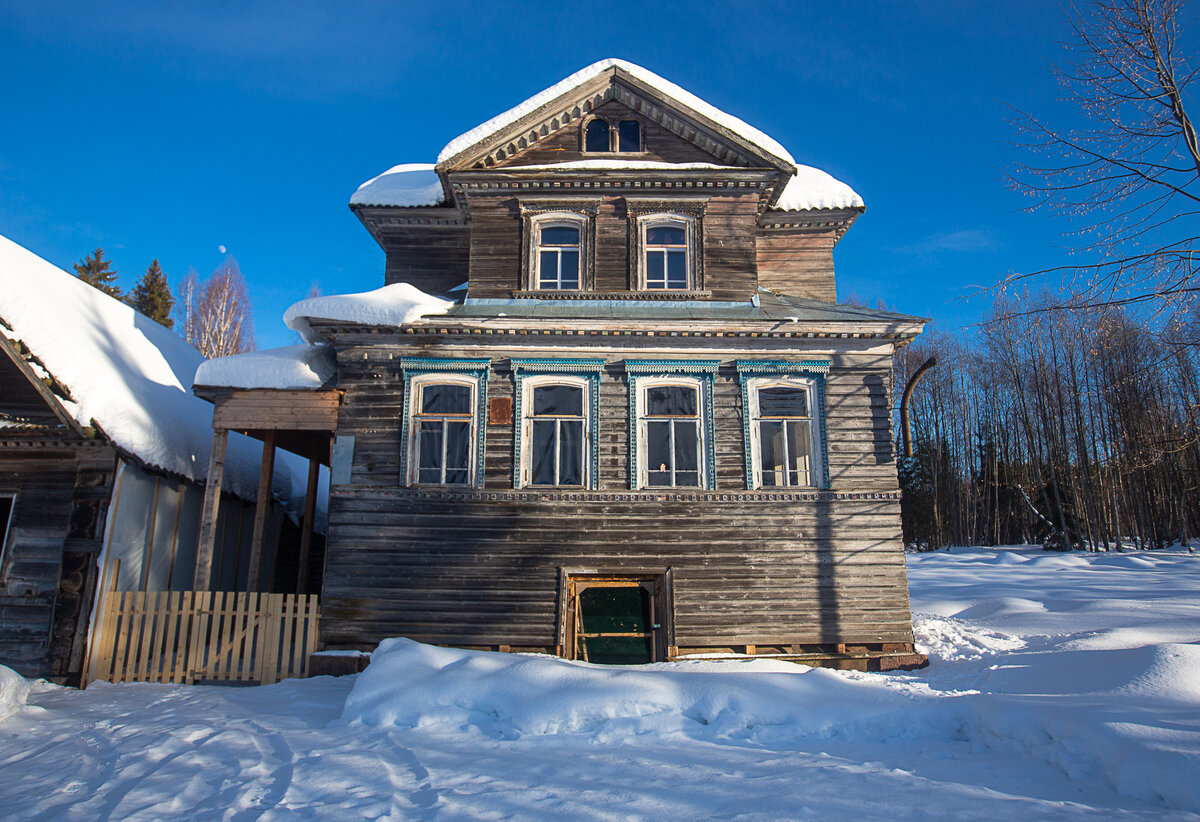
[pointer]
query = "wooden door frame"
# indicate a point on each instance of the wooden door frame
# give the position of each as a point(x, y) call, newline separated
point(662, 598)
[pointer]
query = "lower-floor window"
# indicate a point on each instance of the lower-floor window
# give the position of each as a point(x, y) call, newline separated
point(782, 434)
point(443, 429)
point(671, 434)
point(555, 429)
point(6, 508)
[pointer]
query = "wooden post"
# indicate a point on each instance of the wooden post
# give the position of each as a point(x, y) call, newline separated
point(262, 507)
point(306, 533)
point(208, 513)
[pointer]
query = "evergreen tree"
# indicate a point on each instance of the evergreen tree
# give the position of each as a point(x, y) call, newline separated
point(96, 271)
point(152, 296)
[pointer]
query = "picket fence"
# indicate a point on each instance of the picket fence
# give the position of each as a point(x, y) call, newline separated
point(202, 636)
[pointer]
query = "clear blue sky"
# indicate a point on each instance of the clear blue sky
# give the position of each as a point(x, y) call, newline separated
point(160, 132)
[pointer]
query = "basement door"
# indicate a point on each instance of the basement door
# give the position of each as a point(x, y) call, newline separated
point(616, 620)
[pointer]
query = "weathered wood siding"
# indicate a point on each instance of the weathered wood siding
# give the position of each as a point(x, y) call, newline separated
point(566, 144)
point(727, 246)
point(798, 262)
point(432, 258)
point(749, 568)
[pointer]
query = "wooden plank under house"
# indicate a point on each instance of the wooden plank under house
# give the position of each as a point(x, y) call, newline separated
point(641, 428)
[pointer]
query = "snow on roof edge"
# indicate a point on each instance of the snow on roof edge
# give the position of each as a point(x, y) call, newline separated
point(668, 89)
point(404, 185)
point(393, 305)
point(812, 189)
point(305, 367)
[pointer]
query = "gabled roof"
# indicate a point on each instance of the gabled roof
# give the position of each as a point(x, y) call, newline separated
point(574, 94)
point(125, 374)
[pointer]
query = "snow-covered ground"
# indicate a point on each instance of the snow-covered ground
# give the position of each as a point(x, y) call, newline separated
point(1061, 686)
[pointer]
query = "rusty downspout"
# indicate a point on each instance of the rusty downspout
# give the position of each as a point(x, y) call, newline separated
point(905, 423)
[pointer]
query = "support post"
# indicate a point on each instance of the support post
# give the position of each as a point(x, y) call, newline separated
point(201, 581)
point(306, 533)
point(262, 506)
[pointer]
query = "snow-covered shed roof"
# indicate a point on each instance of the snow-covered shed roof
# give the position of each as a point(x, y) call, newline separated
point(664, 87)
point(126, 375)
point(303, 366)
point(392, 305)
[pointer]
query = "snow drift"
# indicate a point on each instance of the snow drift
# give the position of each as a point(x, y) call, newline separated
point(14, 690)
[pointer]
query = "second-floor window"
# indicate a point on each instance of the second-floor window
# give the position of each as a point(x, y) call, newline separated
point(666, 255)
point(558, 256)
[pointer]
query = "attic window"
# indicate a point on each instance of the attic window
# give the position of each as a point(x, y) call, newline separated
point(596, 136)
point(629, 136)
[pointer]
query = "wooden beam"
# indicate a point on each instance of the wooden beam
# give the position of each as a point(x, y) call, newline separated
point(201, 581)
point(306, 532)
point(262, 507)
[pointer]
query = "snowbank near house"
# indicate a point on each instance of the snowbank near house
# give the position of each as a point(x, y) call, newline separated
point(14, 690)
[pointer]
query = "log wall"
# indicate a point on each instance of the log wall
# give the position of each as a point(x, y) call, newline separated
point(750, 568)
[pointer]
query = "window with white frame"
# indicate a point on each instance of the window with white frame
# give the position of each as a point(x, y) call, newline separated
point(442, 429)
point(555, 431)
point(783, 433)
point(671, 433)
point(667, 255)
point(559, 248)
point(7, 503)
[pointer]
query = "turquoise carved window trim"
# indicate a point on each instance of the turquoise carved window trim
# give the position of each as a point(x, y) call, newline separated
point(478, 370)
point(704, 371)
point(585, 369)
point(813, 370)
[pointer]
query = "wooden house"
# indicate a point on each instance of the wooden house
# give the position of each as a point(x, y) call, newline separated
point(642, 427)
point(103, 457)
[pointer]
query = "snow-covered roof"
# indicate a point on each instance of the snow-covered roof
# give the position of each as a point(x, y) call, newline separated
point(408, 184)
point(810, 188)
point(393, 305)
point(126, 374)
point(665, 87)
point(292, 366)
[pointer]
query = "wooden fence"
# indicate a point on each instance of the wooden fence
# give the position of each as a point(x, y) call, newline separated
point(202, 636)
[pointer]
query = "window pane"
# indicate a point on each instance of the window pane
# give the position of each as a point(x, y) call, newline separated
point(685, 446)
point(800, 469)
point(429, 476)
point(541, 458)
point(429, 445)
point(629, 135)
point(458, 444)
point(570, 452)
point(676, 270)
point(782, 401)
point(558, 400)
point(665, 235)
point(560, 235)
point(569, 273)
point(655, 275)
point(596, 136)
point(658, 450)
point(671, 400)
point(446, 399)
point(548, 269)
point(770, 453)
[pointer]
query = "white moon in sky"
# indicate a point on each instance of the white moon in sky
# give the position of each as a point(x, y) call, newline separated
point(221, 248)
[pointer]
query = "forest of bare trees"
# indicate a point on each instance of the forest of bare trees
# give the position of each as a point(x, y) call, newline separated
point(1072, 428)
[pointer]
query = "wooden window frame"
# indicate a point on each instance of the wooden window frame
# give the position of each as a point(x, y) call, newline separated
point(703, 411)
point(656, 372)
point(644, 216)
point(537, 217)
point(543, 371)
point(614, 136)
point(755, 374)
point(419, 372)
point(528, 386)
point(754, 385)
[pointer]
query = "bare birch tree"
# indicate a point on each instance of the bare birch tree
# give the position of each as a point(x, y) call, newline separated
point(215, 313)
point(1131, 172)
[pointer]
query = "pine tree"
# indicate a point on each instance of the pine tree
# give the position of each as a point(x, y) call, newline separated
point(96, 271)
point(152, 296)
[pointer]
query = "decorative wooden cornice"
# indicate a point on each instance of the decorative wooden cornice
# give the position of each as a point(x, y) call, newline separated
point(767, 497)
point(654, 296)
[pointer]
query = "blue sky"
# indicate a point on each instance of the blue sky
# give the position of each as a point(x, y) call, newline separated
point(166, 132)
